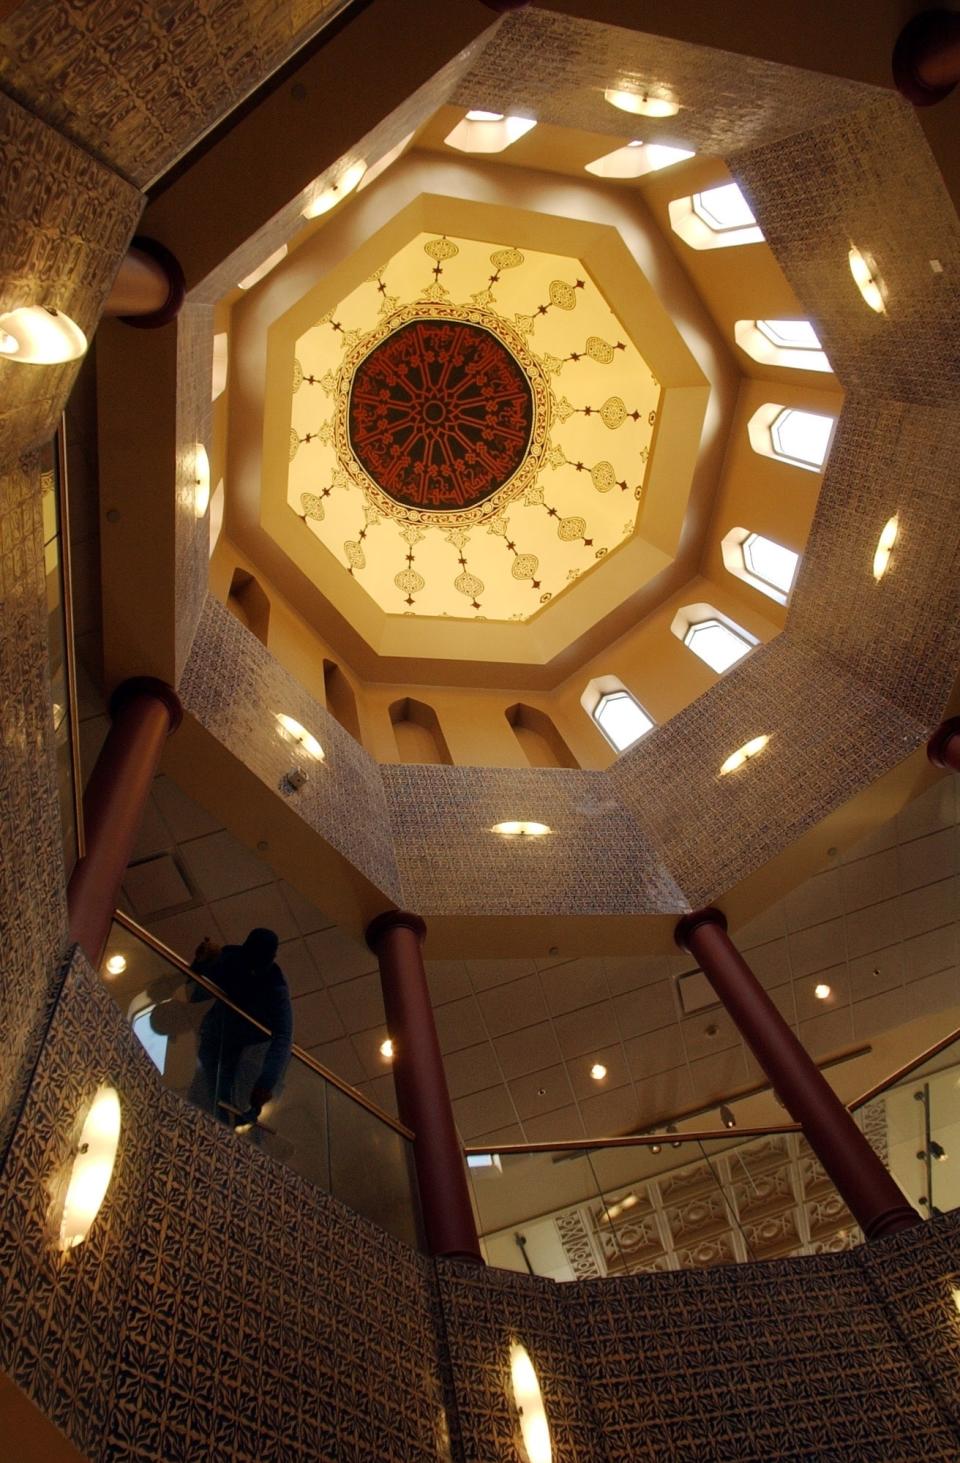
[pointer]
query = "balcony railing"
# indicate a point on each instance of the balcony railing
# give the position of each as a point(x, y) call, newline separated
point(317, 1124)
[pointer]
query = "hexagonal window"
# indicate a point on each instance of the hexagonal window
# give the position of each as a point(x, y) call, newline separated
point(801, 438)
point(792, 343)
point(760, 561)
point(716, 218)
point(621, 719)
point(712, 636)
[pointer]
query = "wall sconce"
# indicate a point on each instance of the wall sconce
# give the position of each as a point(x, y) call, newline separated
point(335, 192)
point(80, 1188)
point(35, 335)
point(201, 476)
point(885, 543)
point(528, 1400)
point(642, 104)
point(293, 731)
point(518, 828)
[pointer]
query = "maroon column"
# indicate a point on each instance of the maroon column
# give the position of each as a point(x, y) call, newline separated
point(943, 748)
point(423, 1101)
point(926, 57)
point(871, 1195)
point(149, 288)
point(145, 711)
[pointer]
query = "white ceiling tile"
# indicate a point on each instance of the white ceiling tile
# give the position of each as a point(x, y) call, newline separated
point(663, 1094)
point(220, 865)
point(315, 1020)
point(883, 837)
point(612, 1057)
point(185, 818)
point(472, 1069)
point(631, 972)
point(488, 973)
point(655, 1051)
point(770, 963)
point(540, 1092)
point(294, 960)
point(764, 927)
point(578, 983)
point(707, 1034)
point(931, 951)
point(554, 1127)
point(933, 809)
point(609, 1114)
point(448, 980)
point(154, 886)
point(928, 908)
point(459, 1024)
point(872, 928)
point(339, 956)
point(261, 908)
point(359, 1003)
point(481, 1112)
point(383, 1092)
point(587, 1029)
point(308, 917)
point(828, 1033)
point(695, 993)
point(153, 835)
point(881, 969)
point(868, 880)
point(933, 993)
point(527, 1050)
point(715, 1077)
point(927, 860)
point(184, 932)
point(512, 1133)
point(646, 1010)
point(784, 999)
point(815, 901)
point(340, 1057)
point(507, 1007)
point(815, 948)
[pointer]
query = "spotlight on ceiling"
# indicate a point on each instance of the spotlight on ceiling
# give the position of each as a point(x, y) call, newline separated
point(885, 543)
point(598, 1071)
point(520, 828)
point(727, 1117)
point(743, 754)
point(116, 964)
point(642, 103)
point(656, 1147)
point(822, 991)
point(867, 280)
point(386, 1049)
point(35, 335)
point(335, 192)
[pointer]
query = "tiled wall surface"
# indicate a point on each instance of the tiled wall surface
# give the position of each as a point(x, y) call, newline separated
point(137, 86)
point(32, 907)
point(65, 222)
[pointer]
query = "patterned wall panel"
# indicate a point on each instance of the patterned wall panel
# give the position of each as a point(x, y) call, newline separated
point(728, 101)
point(137, 84)
point(484, 1310)
point(65, 222)
point(32, 908)
point(868, 180)
point(235, 688)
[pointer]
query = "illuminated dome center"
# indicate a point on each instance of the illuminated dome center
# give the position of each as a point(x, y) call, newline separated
point(440, 415)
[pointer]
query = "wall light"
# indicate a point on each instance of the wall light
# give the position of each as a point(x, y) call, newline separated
point(885, 544)
point(642, 104)
point(80, 1188)
point(598, 1071)
point(336, 192)
point(743, 754)
point(294, 732)
point(201, 476)
point(521, 829)
point(386, 1049)
point(528, 1400)
point(116, 964)
point(822, 991)
point(867, 280)
point(618, 1207)
point(35, 335)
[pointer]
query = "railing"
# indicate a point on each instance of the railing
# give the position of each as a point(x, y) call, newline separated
point(210, 1052)
point(678, 1200)
point(60, 644)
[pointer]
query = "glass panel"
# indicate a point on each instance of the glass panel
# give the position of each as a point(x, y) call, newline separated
point(770, 562)
point(212, 1056)
point(716, 643)
point(723, 208)
point(797, 335)
point(57, 653)
point(801, 437)
point(621, 719)
point(692, 1205)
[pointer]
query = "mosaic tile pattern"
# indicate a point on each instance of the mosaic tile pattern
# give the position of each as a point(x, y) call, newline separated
point(137, 86)
point(729, 101)
point(867, 179)
point(32, 905)
point(234, 687)
point(65, 222)
point(194, 424)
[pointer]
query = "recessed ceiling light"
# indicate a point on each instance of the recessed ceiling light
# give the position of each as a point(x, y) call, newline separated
point(642, 104)
point(386, 1049)
point(520, 829)
point(822, 991)
point(478, 115)
point(598, 1071)
point(336, 192)
point(295, 732)
point(40, 336)
point(116, 964)
point(743, 754)
point(884, 546)
point(867, 280)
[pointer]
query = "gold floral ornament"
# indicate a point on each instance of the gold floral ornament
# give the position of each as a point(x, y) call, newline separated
point(312, 505)
point(469, 585)
point(294, 443)
point(571, 528)
point(441, 249)
point(555, 456)
point(562, 295)
point(525, 566)
point(409, 582)
point(506, 259)
point(297, 376)
point(603, 476)
point(613, 413)
point(564, 409)
point(356, 558)
point(599, 350)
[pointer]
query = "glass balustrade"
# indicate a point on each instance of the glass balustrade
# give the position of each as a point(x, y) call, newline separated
point(210, 1054)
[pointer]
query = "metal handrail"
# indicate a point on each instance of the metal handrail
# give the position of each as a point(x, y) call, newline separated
point(173, 958)
point(630, 1140)
point(904, 1071)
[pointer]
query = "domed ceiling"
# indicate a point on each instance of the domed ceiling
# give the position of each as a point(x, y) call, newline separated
point(470, 429)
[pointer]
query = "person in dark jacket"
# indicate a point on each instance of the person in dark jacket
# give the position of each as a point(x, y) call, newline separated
point(238, 1064)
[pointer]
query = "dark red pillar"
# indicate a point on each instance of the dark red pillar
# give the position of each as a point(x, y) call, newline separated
point(869, 1192)
point(149, 288)
point(926, 57)
point(423, 1101)
point(144, 711)
point(943, 748)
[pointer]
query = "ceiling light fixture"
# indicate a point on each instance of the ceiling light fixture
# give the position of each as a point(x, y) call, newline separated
point(80, 1188)
point(743, 754)
point(642, 104)
point(656, 1147)
point(386, 1049)
point(528, 1400)
point(521, 829)
point(727, 1117)
point(336, 192)
point(822, 991)
point(293, 731)
point(598, 1071)
point(619, 1206)
point(867, 280)
point(888, 538)
point(201, 474)
point(115, 964)
point(479, 115)
point(35, 335)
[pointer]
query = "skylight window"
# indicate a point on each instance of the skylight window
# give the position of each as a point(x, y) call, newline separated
point(483, 131)
point(723, 208)
point(637, 159)
point(621, 719)
point(792, 343)
point(802, 437)
point(797, 335)
point(717, 643)
point(770, 562)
